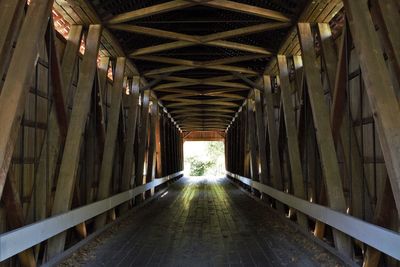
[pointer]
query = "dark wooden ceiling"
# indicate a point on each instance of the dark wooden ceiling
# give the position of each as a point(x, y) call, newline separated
point(192, 46)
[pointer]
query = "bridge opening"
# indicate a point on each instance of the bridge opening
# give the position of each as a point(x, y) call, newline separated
point(204, 159)
point(294, 104)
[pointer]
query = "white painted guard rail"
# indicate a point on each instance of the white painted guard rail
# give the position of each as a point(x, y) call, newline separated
point(13, 242)
point(382, 239)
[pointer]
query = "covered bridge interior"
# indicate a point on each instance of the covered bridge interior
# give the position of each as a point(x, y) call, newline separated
point(97, 98)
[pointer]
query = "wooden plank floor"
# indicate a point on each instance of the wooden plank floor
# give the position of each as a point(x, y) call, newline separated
point(203, 222)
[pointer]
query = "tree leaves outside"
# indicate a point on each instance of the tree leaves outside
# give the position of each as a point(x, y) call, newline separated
point(204, 158)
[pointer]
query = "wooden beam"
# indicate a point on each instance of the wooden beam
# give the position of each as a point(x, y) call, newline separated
point(203, 129)
point(327, 152)
point(150, 11)
point(54, 139)
point(184, 40)
point(151, 152)
point(216, 96)
point(159, 152)
point(247, 9)
point(15, 215)
point(70, 159)
point(142, 141)
point(155, 32)
point(262, 146)
point(240, 47)
point(11, 16)
point(188, 64)
point(111, 138)
point(382, 97)
point(167, 70)
point(230, 60)
point(252, 140)
point(187, 102)
point(18, 79)
point(203, 120)
point(168, 60)
point(201, 114)
point(57, 81)
point(216, 43)
point(244, 31)
point(160, 48)
point(128, 169)
point(336, 72)
point(196, 40)
point(291, 133)
point(218, 110)
point(388, 14)
point(201, 82)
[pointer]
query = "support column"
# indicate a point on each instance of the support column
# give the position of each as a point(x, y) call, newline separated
point(340, 120)
point(128, 170)
point(19, 76)
point(54, 140)
point(151, 160)
point(253, 141)
point(382, 97)
point(327, 152)
point(143, 130)
point(291, 135)
point(70, 159)
point(111, 138)
point(261, 139)
point(262, 148)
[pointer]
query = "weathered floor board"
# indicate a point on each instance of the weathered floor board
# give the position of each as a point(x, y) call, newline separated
point(203, 222)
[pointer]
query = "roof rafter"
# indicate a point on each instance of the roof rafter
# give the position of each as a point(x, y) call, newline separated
point(181, 4)
point(150, 11)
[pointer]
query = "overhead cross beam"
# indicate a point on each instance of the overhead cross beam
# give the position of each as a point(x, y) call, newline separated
point(181, 4)
point(192, 109)
point(188, 65)
point(223, 78)
point(150, 11)
point(202, 114)
point(176, 97)
point(190, 102)
point(201, 82)
point(215, 39)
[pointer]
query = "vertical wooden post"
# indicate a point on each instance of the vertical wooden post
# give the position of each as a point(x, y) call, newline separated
point(159, 165)
point(48, 158)
point(151, 161)
point(252, 141)
point(320, 111)
point(276, 182)
point(164, 152)
point(111, 138)
point(128, 170)
point(341, 120)
point(19, 75)
point(247, 167)
point(291, 134)
point(261, 138)
point(143, 129)
point(70, 159)
point(382, 97)
point(272, 131)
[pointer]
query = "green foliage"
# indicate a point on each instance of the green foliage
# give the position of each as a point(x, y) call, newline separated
point(199, 167)
point(204, 158)
point(215, 149)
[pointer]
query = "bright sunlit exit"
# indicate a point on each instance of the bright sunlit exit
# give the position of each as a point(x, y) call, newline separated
point(204, 158)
